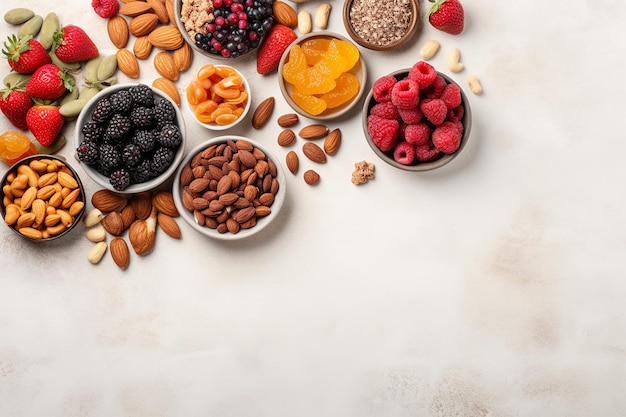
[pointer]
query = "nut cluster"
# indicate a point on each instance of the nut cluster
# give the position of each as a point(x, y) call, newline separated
point(229, 186)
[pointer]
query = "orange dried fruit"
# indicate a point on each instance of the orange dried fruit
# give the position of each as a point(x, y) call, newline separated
point(314, 49)
point(295, 65)
point(309, 103)
point(347, 88)
point(348, 51)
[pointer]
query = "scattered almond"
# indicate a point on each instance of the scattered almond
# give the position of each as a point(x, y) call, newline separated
point(183, 57)
point(311, 177)
point(292, 161)
point(168, 38)
point(142, 48)
point(163, 201)
point(141, 204)
point(262, 113)
point(168, 225)
point(158, 7)
point(127, 63)
point(142, 234)
point(96, 253)
point(332, 142)
point(165, 65)
point(119, 252)
point(168, 87)
point(285, 14)
point(134, 8)
point(107, 201)
point(143, 24)
point(288, 120)
point(313, 131)
point(314, 152)
point(117, 28)
point(286, 137)
point(113, 223)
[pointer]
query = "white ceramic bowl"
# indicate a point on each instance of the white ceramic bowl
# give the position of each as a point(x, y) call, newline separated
point(102, 180)
point(359, 70)
point(182, 202)
point(216, 126)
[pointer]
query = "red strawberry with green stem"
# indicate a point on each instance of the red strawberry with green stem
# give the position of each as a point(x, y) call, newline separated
point(45, 123)
point(278, 38)
point(48, 82)
point(25, 54)
point(72, 44)
point(15, 104)
point(447, 16)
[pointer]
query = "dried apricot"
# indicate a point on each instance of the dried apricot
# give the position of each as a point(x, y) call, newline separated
point(347, 87)
point(308, 103)
point(314, 49)
point(295, 65)
point(314, 80)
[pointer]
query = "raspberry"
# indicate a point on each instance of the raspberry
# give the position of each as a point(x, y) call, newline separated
point(384, 132)
point(405, 94)
point(386, 110)
point(411, 116)
point(381, 90)
point(404, 153)
point(426, 153)
point(434, 109)
point(436, 88)
point(105, 8)
point(458, 111)
point(451, 95)
point(447, 137)
point(417, 134)
point(423, 74)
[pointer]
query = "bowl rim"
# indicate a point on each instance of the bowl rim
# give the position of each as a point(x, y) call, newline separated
point(242, 234)
point(444, 159)
point(408, 36)
point(360, 66)
point(100, 179)
point(81, 186)
point(215, 126)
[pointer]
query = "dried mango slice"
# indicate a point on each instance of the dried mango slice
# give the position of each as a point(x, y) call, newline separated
point(347, 88)
point(348, 51)
point(309, 103)
point(295, 64)
point(314, 49)
point(314, 80)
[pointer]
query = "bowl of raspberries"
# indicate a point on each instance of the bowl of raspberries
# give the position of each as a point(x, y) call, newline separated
point(130, 138)
point(417, 119)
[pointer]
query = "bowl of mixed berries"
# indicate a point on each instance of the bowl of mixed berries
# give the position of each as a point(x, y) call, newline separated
point(224, 28)
point(417, 119)
point(130, 138)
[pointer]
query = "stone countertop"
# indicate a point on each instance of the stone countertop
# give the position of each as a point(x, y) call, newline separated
point(491, 287)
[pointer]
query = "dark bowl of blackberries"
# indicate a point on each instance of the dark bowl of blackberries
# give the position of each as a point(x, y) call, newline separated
point(130, 138)
point(224, 28)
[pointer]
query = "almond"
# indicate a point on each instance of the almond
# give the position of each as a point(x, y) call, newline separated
point(314, 152)
point(332, 142)
point(142, 48)
point(134, 8)
point(113, 223)
point(141, 204)
point(168, 38)
point(119, 252)
point(285, 14)
point(262, 113)
point(292, 161)
point(311, 177)
point(117, 28)
point(313, 131)
point(96, 253)
point(142, 234)
point(169, 6)
point(165, 65)
point(169, 88)
point(163, 201)
point(286, 137)
point(183, 57)
point(128, 216)
point(143, 24)
point(288, 120)
point(168, 225)
point(158, 7)
point(107, 201)
point(127, 63)
point(245, 214)
point(224, 184)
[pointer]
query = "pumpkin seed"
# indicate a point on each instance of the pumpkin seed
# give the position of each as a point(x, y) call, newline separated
point(91, 69)
point(50, 25)
point(16, 80)
point(107, 67)
point(31, 27)
point(18, 16)
point(73, 108)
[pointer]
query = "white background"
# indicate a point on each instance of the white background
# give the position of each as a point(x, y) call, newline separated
point(491, 287)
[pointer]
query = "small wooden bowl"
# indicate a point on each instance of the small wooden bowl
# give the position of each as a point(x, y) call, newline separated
point(372, 44)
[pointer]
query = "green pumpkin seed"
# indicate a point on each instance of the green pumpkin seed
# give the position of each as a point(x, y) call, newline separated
point(16, 80)
point(69, 96)
point(69, 66)
point(107, 67)
point(73, 108)
point(56, 146)
point(50, 25)
point(88, 93)
point(18, 16)
point(91, 69)
point(31, 27)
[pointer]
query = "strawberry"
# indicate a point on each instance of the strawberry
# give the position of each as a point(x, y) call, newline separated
point(447, 16)
point(48, 82)
point(15, 104)
point(45, 122)
point(25, 54)
point(276, 42)
point(72, 44)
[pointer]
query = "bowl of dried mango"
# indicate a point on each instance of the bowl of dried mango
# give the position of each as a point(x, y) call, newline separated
point(322, 75)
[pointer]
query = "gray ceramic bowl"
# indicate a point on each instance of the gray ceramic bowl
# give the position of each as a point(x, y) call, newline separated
point(102, 180)
point(359, 70)
point(55, 229)
point(187, 213)
point(440, 161)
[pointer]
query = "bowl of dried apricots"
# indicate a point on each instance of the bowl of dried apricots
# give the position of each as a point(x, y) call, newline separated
point(218, 97)
point(322, 75)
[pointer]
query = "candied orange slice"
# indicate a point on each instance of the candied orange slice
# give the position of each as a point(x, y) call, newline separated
point(314, 81)
point(333, 60)
point(309, 103)
point(347, 88)
point(295, 64)
point(314, 49)
point(348, 51)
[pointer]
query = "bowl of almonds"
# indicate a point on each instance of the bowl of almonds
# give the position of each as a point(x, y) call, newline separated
point(43, 198)
point(229, 188)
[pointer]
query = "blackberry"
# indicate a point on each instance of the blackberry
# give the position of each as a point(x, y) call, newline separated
point(142, 95)
point(120, 179)
point(102, 111)
point(122, 101)
point(145, 139)
point(119, 126)
point(109, 159)
point(88, 152)
point(161, 160)
point(131, 155)
point(92, 131)
point(170, 136)
point(164, 112)
point(141, 172)
point(142, 116)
